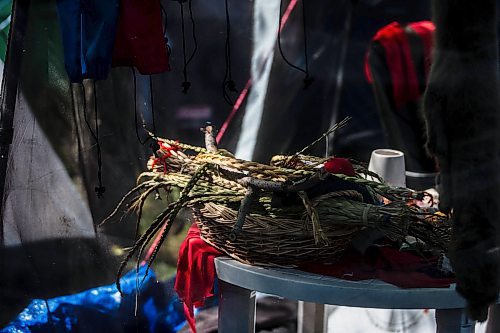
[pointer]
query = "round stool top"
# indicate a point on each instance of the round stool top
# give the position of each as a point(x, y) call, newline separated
point(304, 286)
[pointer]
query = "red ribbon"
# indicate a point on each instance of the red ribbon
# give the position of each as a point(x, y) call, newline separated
point(166, 151)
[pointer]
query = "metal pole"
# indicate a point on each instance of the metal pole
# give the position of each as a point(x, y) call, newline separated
point(11, 73)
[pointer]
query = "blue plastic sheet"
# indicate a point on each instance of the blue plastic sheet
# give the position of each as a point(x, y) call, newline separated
point(103, 309)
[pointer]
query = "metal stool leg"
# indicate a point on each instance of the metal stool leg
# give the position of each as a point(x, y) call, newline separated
point(311, 318)
point(493, 319)
point(236, 309)
point(453, 321)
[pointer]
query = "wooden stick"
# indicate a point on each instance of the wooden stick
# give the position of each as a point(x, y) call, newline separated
point(269, 185)
point(243, 212)
point(210, 141)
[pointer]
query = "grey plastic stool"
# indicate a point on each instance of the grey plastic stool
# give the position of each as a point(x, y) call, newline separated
point(239, 282)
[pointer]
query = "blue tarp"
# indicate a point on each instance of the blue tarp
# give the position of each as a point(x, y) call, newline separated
point(103, 309)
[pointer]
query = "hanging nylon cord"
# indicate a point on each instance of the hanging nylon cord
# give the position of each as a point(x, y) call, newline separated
point(308, 79)
point(100, 189)
point(165, 19)
point(136, 113)
point(228, 84)
point(154, 145)
point(165, 25)
point(151, 98)
point(193, 30)
point(186, 84)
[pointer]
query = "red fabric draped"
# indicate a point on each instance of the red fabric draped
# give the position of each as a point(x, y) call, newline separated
point(402, 269)
point(196, 270)
point(425, 30)
point(195, 273)
point(139, 38)
point(404, 79)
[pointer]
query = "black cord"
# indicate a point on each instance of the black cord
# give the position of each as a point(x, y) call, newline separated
point(154, 145)
point(193, 28)
point(154, 142)
point(100, 189)
point(228, 84)
point(165, 25)
point(165, 20)
point(185, 84)
point(308, 79)
point(136, 115)
point(152, 104)
point(279, 44)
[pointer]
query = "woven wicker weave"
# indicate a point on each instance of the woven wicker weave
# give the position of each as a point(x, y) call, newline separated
point(268, 241)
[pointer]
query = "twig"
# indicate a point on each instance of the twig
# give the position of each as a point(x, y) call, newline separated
point(319, 235)
point(269, 185)
point(210, 141)
point(243, 212)
point(324, 135)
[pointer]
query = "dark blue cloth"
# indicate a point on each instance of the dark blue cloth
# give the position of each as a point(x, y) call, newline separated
point(88, 30)
point(103, 310)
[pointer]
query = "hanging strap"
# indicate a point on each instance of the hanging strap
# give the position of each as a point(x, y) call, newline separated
point(228, 84)
point(307, 79)
point(94, 132)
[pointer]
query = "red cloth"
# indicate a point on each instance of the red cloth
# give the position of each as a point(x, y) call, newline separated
point(195, 273)
point(425, 30)
point(404, 79)
point(338, 165)
point(402, 269)
point(196, 270)
point(139, 38)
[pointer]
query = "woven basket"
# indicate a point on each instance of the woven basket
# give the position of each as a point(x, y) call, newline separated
point(270, 241)
point(283, 214)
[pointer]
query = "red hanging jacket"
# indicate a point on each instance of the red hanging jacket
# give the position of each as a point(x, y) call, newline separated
point(139, 37)
point(394, 40)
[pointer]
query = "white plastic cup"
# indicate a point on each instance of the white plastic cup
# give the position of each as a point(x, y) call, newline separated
point(389, 164)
